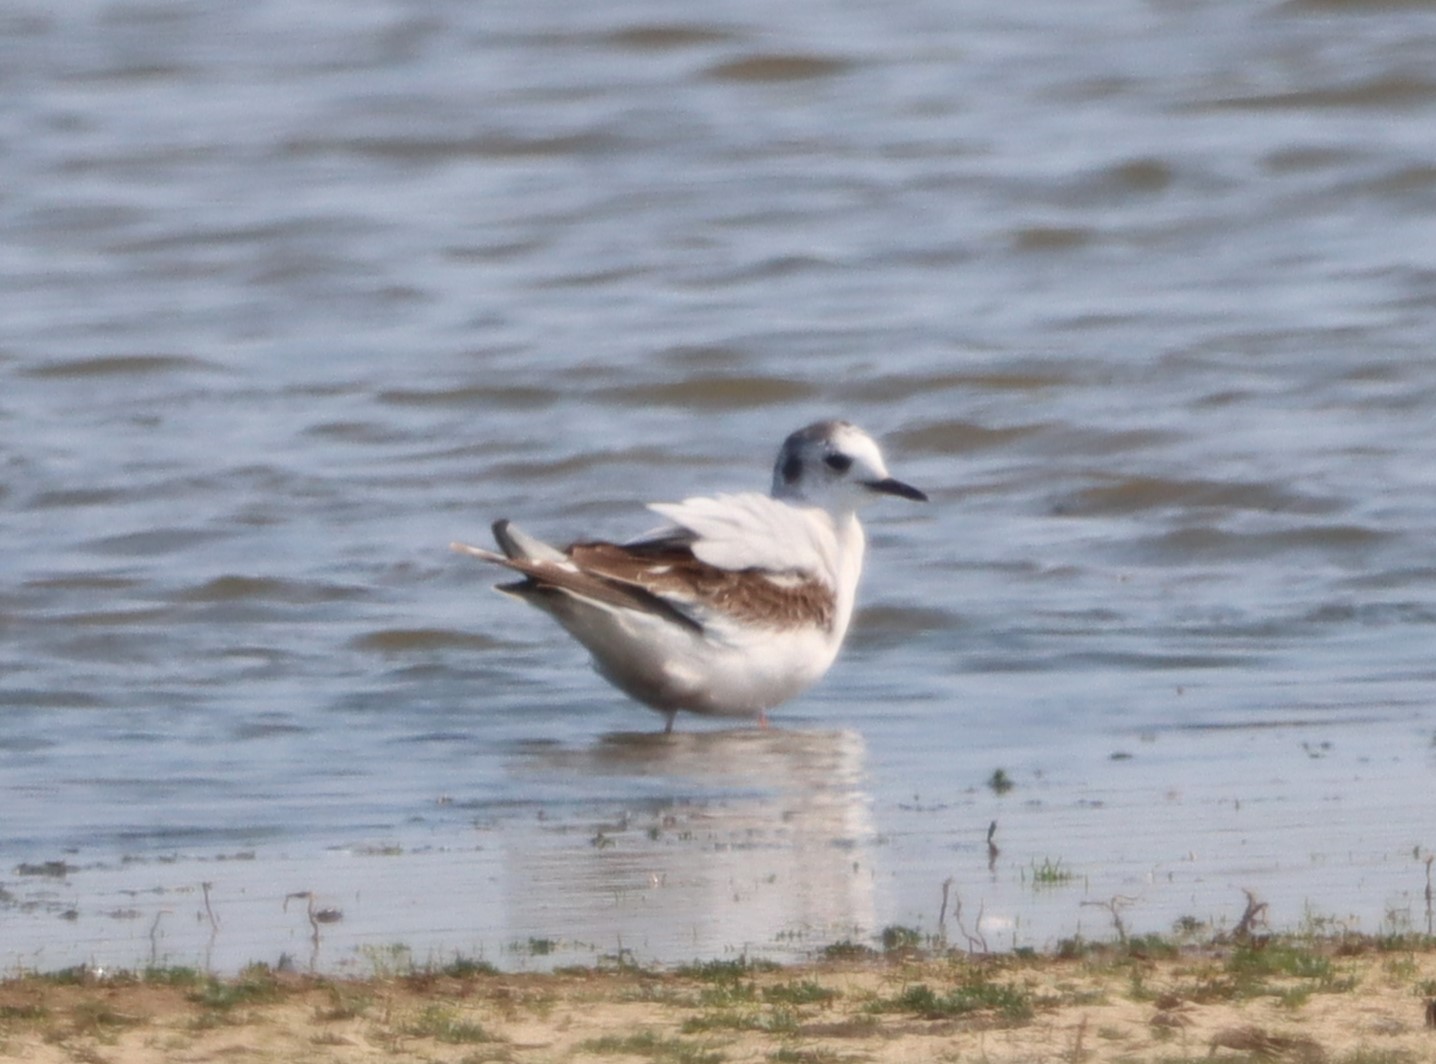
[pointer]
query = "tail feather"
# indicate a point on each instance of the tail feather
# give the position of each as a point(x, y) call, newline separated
point(550, 576)
point(478, 552)
point(516, 544)
point(517, 588)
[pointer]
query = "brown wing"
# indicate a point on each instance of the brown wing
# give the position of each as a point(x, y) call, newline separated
point(543, 577)
point(666, 569)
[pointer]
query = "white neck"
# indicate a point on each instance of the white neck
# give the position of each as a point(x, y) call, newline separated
point(851, 545)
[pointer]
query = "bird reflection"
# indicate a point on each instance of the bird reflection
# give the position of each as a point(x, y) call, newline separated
point(724, 840)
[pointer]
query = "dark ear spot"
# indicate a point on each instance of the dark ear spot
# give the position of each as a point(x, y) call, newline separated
point(792, 469)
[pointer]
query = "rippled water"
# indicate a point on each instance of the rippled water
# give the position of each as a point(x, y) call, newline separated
point(295, 293)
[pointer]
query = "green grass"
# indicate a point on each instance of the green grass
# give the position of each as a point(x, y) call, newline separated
point(172, 976)
point(652, 1046)
point(896, 937)
point(724, 971)
point(848, 950)
point(1401, 968)
point(95, 1017)
point(254, 985)
point(386, 962)
point(1253, 970)
point(444, 1024)
point(345, 1003)
point(740, 1005)
point(743, 1006)
point(1146, 947)
point(1050, 873)
point(1288, 970)
point(466, 968)
point(1189, 926)
point(76, 976)
point(791, 1055)
point(806, 992)
point(975, 992)
point(23, 1013)
point(725, 995)
point(775, 1021)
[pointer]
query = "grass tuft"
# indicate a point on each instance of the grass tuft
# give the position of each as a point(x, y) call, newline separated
point(895, 938)
point(848, 950)
point(791, 1055)
point(1000, 782)
point(254, 985)
point(1254, 969)
point(1050, 873)
point(724, 971)
point(23, 1013)
point(806, 992)
point(776, 1021)
point(652, 1046)
point(466, 968)
point(95, 1017)
point(444, 1024)
point(974, 993)
point(172, 976)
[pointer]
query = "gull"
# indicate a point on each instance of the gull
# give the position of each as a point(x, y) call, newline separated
point(739, 603)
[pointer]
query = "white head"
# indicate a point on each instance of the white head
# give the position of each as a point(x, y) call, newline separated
point(837, 466)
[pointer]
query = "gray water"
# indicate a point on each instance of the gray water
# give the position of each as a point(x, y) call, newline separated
point(294, 293)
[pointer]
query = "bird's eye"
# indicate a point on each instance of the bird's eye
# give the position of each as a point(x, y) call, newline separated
point(838, 463)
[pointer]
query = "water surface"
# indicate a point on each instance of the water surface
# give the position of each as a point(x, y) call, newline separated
point(295, 294)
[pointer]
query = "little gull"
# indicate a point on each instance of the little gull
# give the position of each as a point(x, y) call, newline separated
point(740, 603)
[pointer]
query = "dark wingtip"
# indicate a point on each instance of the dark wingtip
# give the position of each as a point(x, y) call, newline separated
point(500, 529)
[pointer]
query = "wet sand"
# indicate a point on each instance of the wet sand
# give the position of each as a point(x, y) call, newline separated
point(1298, 999)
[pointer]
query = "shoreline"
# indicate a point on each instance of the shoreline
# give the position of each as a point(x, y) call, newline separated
point(777, 876)
point(1294, 997)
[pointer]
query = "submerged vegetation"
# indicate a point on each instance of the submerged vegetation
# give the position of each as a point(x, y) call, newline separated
point(1050, 873)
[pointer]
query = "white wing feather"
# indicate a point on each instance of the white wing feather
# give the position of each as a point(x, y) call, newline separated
point(752, 531)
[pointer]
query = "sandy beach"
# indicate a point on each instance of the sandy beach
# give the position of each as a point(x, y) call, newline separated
point(1341, 999)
